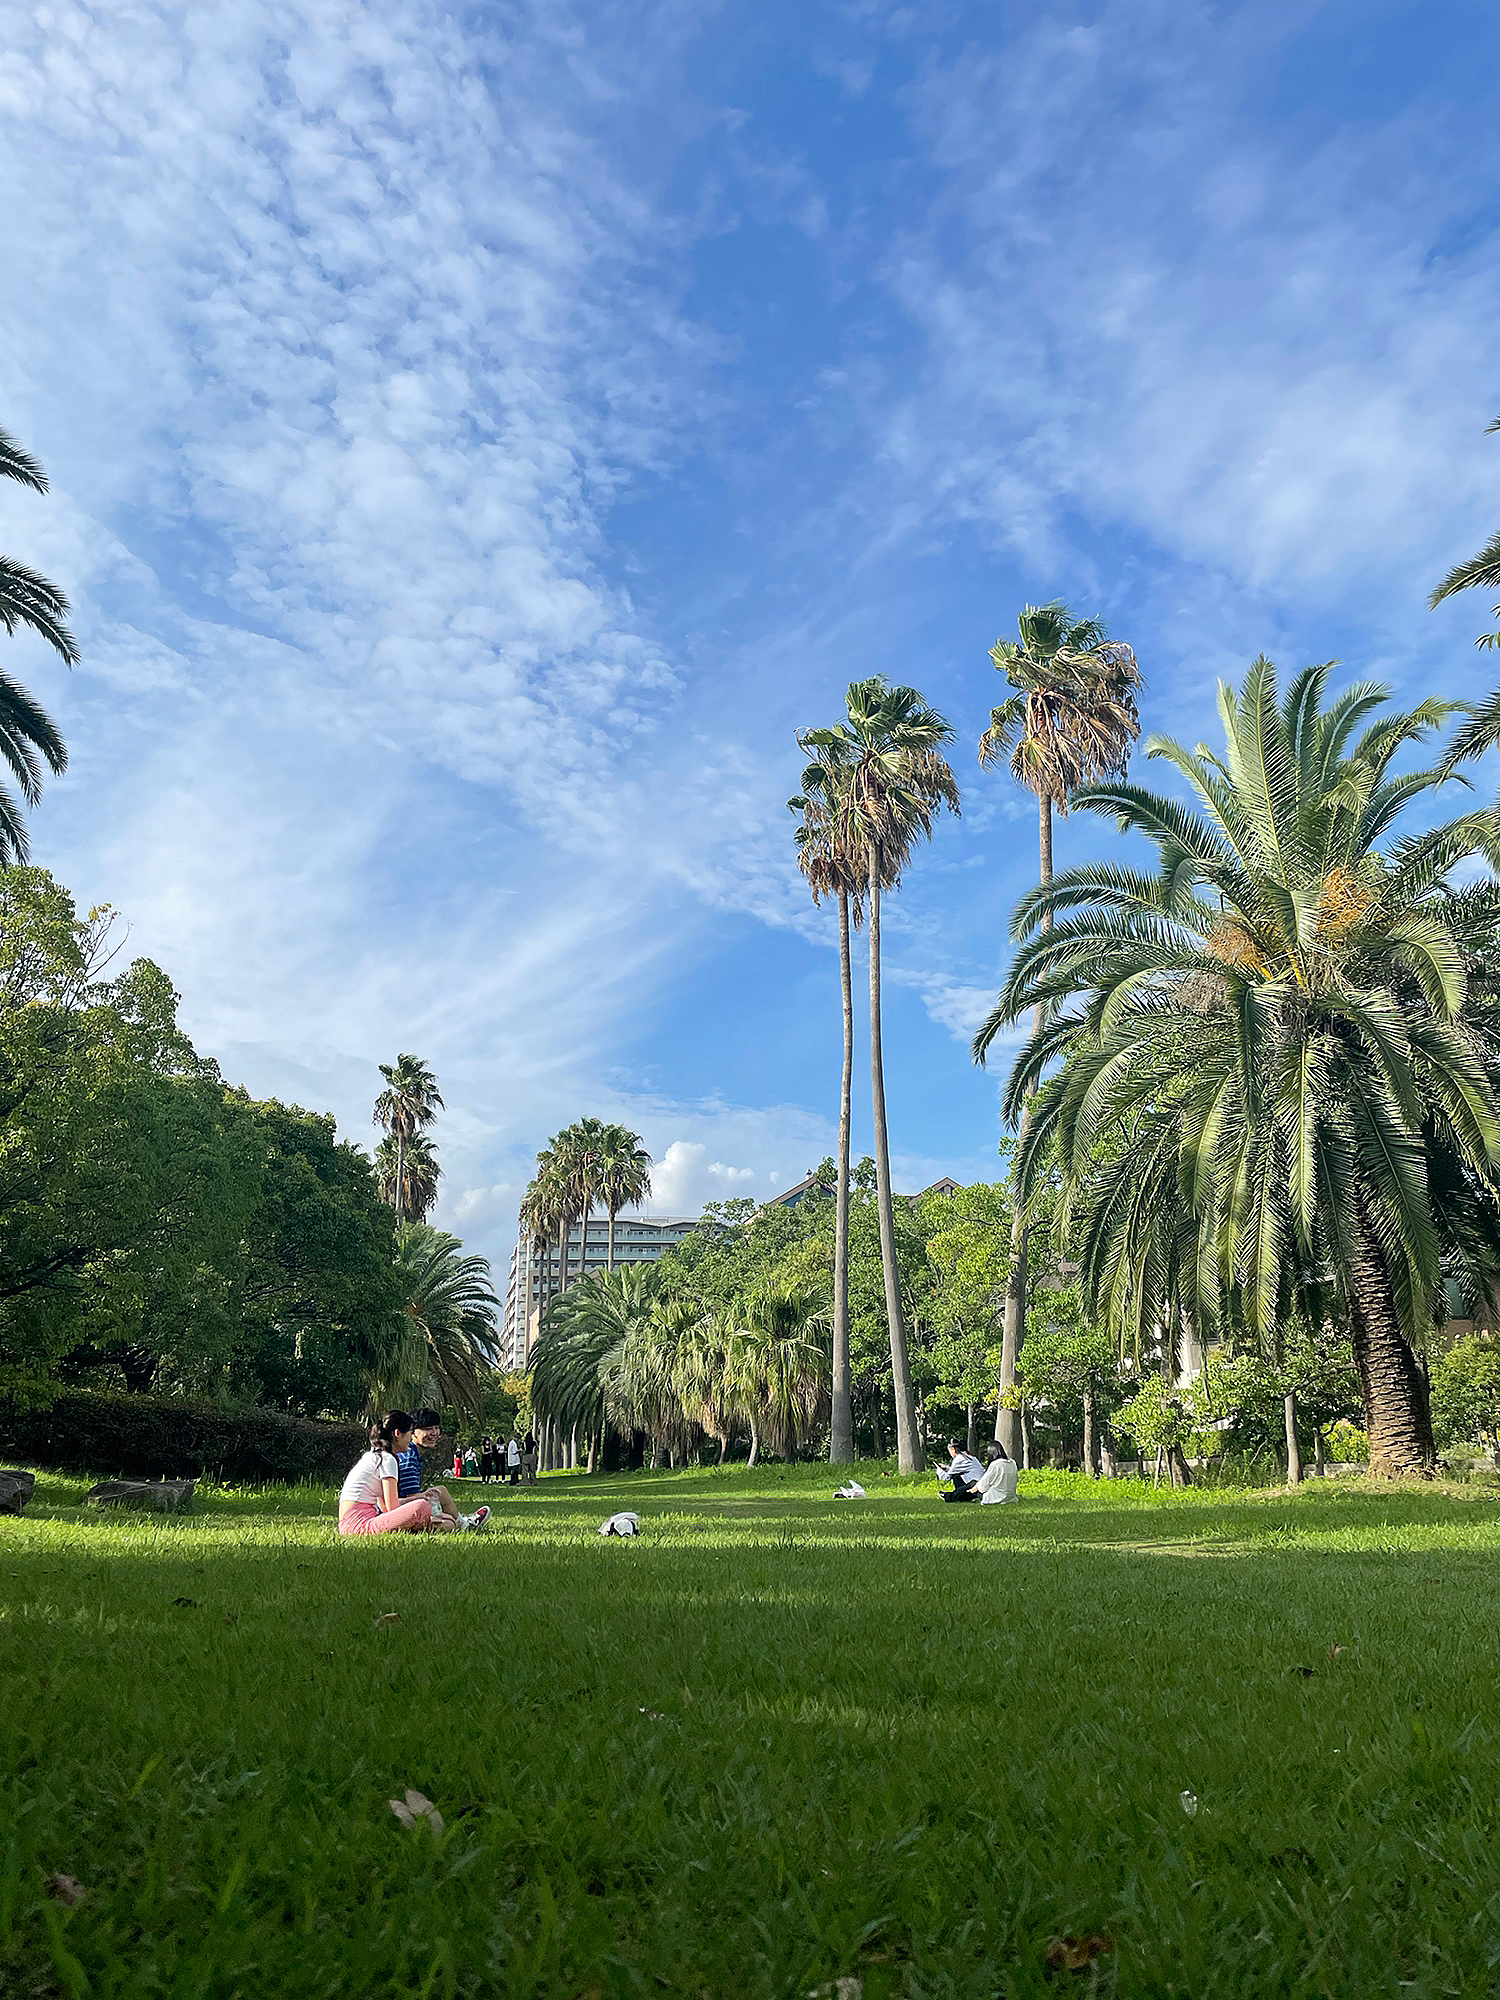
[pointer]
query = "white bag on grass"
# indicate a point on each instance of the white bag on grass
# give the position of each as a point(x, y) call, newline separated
point(621, 1524)
point(852, 1491)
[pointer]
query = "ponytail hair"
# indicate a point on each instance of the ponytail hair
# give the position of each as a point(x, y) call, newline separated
point(383, 1429)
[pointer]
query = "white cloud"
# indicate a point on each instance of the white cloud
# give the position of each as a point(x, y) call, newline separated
point(685, 1177)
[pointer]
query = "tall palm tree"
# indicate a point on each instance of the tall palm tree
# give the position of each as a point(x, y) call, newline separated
point(1282, 1017)
point(407, 1105)
point(584, 1142)
point(831, 856)
point(893, 781)
point(29, 739)
point(1071, 719)
point(448, 1337)
point(623, 1176)
point(779, 1364)
point(408, 1174)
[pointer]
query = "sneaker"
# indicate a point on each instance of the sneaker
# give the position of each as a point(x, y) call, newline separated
point(476, 1519)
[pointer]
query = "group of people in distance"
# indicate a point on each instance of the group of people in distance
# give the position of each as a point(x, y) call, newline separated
point(992, 1484)
point(509, 1458)
point(384, 1494)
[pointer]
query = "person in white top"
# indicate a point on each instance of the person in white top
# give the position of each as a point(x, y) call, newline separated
point(369, 1503)
point(964, 1470)
point(513, 1459)
point(997, 1488)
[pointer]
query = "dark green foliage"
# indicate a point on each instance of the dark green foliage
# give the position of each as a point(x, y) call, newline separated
point(104, 1432)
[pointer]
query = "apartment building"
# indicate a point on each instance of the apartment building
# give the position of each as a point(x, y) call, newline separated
point(536, 1275)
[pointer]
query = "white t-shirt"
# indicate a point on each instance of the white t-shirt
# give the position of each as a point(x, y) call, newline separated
point(998, 1486)
point(364, 1479)
point(513, 1453)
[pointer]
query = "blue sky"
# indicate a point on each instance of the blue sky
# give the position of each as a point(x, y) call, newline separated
point(480, 437)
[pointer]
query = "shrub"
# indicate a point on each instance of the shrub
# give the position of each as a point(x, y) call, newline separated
point(1346, 1443)
point(108, 1432)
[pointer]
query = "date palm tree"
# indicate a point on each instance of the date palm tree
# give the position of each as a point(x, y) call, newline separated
point(29, 739)
point(831, 856)
point(1292, 1017)
point(893, 781)
point(407, 1105)
point(1070, 719)
point(623, 1176)
point(448, 1335)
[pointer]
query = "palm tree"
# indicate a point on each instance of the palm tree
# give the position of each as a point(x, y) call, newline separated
point(407, 1105)
point(448, 1334)
point(413, 1163)
point(29, 738)
point(1282, 1018)
point(584, 1141)
point(892, 782)
point(779, 1366)
point(831, 856)
point(1481, 572)
point(1071, 719)
point(623, 1176)
point(577, 1370)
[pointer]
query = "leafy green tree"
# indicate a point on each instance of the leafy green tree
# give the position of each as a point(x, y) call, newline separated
point(29, 739)
point(779, 1366)
point(891, 781)
point(1281, 1016)
point(1466, 1394)
point(1070, 719)
point(1159, 1423)
point(1070, 1370)
point(969, 1255)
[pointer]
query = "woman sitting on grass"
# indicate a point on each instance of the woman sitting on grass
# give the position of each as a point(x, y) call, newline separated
point(369, 1503)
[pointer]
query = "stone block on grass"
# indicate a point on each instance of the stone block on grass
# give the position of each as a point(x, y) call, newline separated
point(15, 1490)
point(162, 1496)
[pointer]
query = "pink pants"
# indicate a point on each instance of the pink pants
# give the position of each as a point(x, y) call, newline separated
point(364, 1518)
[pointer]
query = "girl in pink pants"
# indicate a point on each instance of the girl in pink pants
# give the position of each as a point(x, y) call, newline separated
point(368, 1503)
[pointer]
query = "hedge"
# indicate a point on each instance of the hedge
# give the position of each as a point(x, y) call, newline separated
point(106, 1431)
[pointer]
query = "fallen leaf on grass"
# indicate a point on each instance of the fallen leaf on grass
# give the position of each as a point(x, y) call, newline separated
point(1306, 1672)
point(386, 1618)
point(1077, 1954)
point(414, 1807)
point(64, 1889)
point(850, 1987)
point(655, 1715)
point(189, 1603)
point(1337, 1652)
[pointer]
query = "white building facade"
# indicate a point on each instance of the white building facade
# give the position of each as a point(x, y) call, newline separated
point(536, 1275)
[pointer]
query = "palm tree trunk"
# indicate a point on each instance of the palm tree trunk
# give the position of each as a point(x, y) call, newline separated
point(400, 1170)
point(841, 1440)
point(907, 1459)
point(1020, 1234)
point(610, 1253)
point(583, 1242)
point(1293, 1449)
point(1397, 1418)
point(754, 1440)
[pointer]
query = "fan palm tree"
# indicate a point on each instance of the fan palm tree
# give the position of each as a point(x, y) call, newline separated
point(1071, 719)
point(449, 1331)
point(623, 1176)
point(408, 1174)
point(407, 1105)
point(892, 781)
point(583, 1142)
point(576, 1372)
point(29, 739)
point(831, 856)
point(1282, 1016)
point(779, 1365)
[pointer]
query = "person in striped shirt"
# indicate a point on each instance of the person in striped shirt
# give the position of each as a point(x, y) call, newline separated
point(426, 1428)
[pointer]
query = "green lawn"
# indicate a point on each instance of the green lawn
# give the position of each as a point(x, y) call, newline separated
point(777, 1740)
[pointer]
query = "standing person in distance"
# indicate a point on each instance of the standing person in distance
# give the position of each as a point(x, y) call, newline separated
point(528, 1459)
point(513, 1459)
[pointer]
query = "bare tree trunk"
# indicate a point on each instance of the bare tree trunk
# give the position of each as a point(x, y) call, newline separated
point(1397, 1417)
point(583, 1243)
point(1182, 1472)
point(1088, 1432)
point(1025, 1440)
point(841, 1437)
point(1293, 1449)
point(907, 1458)
point(1020, 1235)
point(754, 1441)
point(573, 1449)
point(879, 1440)
point(971, 1435)
point(1320, 1460)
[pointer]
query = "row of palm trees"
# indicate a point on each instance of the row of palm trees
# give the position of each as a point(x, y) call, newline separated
point(590, 1166)
point(616, 1351)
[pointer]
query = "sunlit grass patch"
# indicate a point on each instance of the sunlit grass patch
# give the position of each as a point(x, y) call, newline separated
point(777, 1739)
